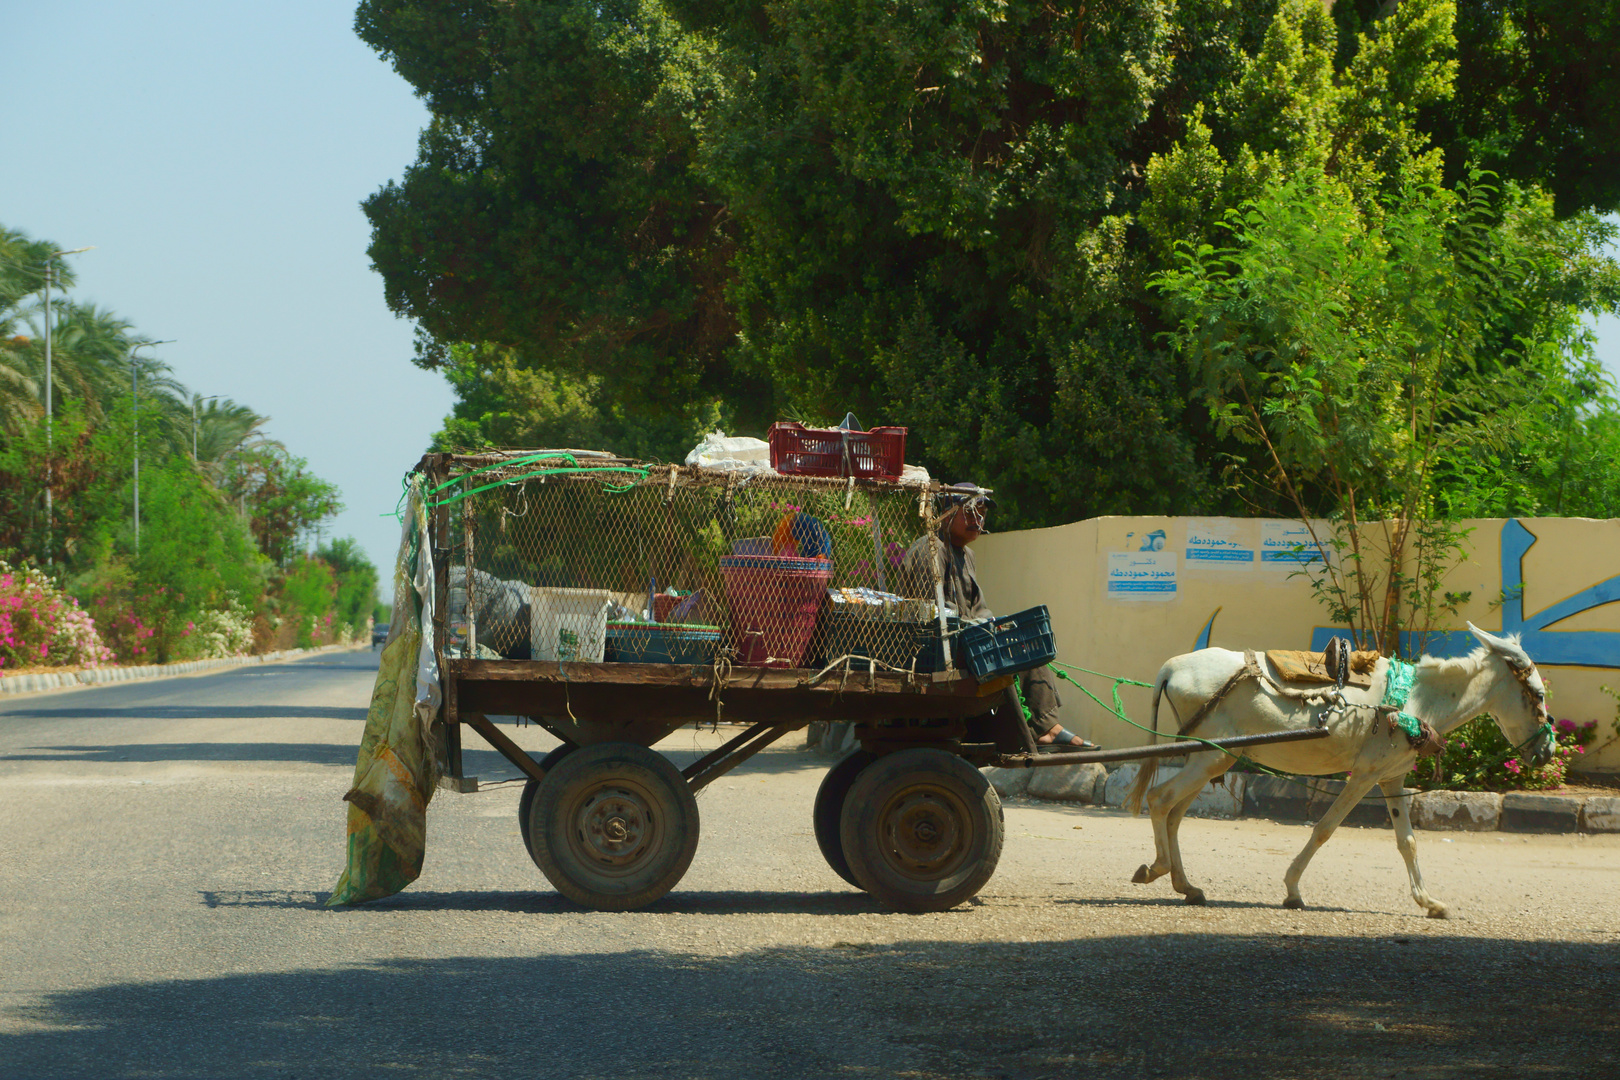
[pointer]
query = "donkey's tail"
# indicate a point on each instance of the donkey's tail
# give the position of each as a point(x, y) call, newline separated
point(1150, 767)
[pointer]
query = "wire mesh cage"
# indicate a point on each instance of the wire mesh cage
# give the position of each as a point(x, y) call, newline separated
point(570, 557)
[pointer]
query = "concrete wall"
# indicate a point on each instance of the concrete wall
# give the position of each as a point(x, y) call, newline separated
point(1126, 593)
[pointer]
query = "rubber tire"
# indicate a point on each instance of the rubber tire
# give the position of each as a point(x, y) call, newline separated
point(651, 793)
point(526, 801)
point(921, 787)
point(829, 810)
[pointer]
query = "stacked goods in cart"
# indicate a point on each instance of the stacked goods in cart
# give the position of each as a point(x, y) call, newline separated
point(573, 558)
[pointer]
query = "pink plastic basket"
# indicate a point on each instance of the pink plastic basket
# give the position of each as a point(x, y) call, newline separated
point(774, 601)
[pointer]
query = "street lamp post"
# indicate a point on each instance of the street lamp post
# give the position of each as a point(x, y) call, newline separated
point(50, 441)
point(135, 417)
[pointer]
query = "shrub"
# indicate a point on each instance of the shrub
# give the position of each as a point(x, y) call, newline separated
point(124, 617)
point(195, 554)
point(356, 587)
point(216, 634)
point(1478, 757)
point(42, 626)
point(307, 593)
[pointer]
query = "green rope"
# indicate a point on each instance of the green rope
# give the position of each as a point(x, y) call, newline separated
point(1018, 692)
point(1118, 710)
point(570, 458)
point(1118, 707)
point(428, 502)
point(611, 489)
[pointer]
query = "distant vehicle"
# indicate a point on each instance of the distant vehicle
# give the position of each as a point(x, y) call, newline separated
point(379, 634)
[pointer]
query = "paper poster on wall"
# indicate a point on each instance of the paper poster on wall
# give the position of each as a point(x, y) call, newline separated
point(1141, 575)
point(1219, 542)
point(1288, 544)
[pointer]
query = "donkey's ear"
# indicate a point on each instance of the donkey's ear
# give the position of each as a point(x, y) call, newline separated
point(1490, 641)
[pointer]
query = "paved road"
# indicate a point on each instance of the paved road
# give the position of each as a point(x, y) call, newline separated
point(165, 849)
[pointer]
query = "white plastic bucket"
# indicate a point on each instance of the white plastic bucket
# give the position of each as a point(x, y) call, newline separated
point(567, 625)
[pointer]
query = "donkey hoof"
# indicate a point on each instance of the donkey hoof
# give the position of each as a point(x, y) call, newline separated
point(1294, 903)
point(1440, 911)
point(1195, 896)
point(1141, 875)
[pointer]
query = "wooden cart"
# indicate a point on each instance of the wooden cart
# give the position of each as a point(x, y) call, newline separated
point(908, 817)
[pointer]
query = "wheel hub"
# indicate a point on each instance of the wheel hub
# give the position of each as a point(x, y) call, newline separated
point(614, 826)
point(926, 832)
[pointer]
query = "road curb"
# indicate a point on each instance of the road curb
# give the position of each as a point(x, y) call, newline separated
point(45, 681)
point(1527, 811)
point(1305, 799)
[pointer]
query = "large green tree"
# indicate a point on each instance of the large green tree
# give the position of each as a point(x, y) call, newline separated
point(941, 214)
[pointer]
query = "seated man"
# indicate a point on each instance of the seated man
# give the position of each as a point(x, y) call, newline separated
point(963, 523)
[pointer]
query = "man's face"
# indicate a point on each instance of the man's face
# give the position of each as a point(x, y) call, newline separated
point(966, 523)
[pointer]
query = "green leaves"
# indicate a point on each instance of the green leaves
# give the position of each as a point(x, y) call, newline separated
point(627, 218)
point(1354, 348)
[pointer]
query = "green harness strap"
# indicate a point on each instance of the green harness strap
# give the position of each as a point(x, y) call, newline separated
point(1397, 688)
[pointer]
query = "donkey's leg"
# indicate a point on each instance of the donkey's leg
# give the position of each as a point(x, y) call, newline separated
point(1166, 804)
point(1157, 808)
point(1352, 793)
point(1400, 816)
point(1200, 770)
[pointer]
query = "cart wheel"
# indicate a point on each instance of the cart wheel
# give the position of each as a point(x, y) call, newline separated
point(526, 802)
point(922, 830)
point(613, 826)
point(830, 808)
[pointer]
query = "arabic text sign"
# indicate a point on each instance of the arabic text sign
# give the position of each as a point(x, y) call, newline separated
point(1141, 575)
point(1219, 542)
point(1287, 543)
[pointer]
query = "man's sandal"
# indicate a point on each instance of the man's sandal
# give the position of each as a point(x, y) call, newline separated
point(1065, 741)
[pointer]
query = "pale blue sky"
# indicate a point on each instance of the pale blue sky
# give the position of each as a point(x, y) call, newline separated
point(216, 154)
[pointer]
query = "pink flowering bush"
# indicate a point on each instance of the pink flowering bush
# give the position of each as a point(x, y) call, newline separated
point(127, 627)
point(41, 626)
point(1478, 758)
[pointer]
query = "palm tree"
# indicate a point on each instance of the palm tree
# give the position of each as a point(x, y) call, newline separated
point(90, 347)
point(22, 275)
point(223, 428)
point(19, 391)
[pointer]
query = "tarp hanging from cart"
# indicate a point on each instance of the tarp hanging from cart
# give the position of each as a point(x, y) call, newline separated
point(395, 774)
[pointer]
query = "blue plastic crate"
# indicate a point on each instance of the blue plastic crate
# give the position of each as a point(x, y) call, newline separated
point(1007, 645)
point(661, 643)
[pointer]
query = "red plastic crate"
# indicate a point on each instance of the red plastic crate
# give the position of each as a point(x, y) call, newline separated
point(800, 451)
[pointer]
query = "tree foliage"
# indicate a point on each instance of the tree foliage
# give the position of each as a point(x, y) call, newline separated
point(629, 219)
point(356, 578)
point(1347, 348)
point(1538, 96)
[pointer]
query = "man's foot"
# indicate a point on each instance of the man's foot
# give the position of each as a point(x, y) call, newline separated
point(1061, 740)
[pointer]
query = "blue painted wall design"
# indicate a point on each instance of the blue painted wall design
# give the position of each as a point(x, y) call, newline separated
point(1585, 648)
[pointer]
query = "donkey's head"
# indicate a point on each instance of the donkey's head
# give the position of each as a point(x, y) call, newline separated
point(1519, 698)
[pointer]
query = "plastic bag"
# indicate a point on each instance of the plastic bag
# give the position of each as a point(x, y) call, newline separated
point(717, 451)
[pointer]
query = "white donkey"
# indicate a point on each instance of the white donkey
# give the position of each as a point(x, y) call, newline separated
point(1498, 678)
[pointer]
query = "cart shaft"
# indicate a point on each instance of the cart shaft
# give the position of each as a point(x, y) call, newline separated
point(1169, 749)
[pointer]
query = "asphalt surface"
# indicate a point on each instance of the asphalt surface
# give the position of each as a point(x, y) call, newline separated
point(166, 849)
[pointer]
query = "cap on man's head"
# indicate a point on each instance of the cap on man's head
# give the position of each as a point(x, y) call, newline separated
point(965, 491)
